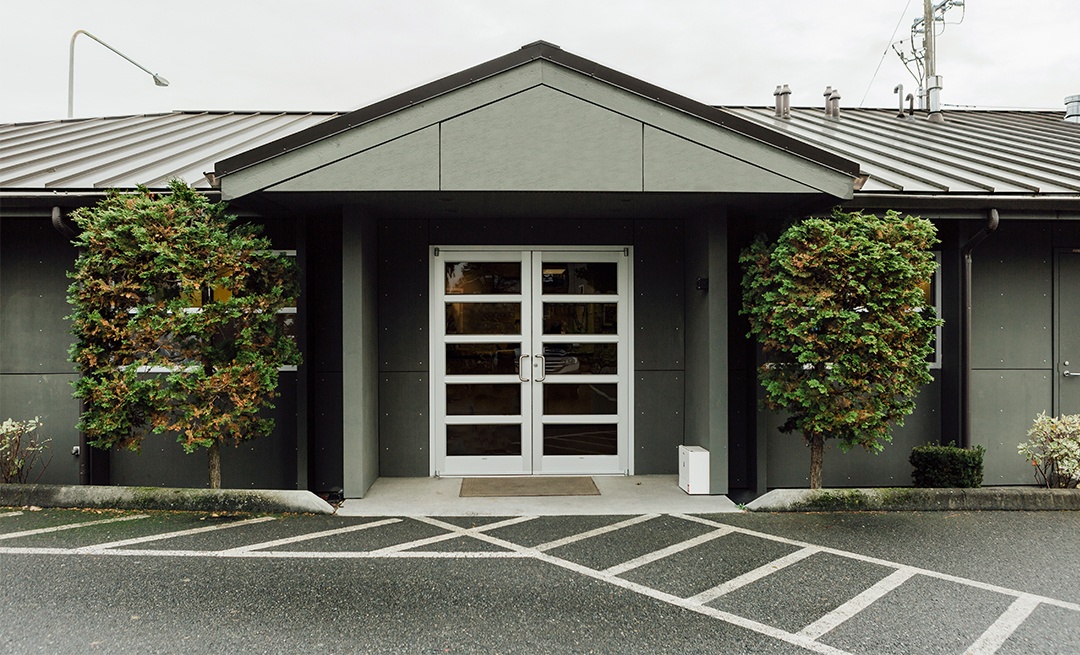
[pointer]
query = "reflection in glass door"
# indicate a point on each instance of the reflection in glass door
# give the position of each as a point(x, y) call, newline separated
point(530, 361)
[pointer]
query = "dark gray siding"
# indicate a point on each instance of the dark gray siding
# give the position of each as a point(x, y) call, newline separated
point(35, 374)
point(404, 446)
point(265, 463)
point(659, 345)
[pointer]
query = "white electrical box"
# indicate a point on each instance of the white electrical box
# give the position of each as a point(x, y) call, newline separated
point(694, 469)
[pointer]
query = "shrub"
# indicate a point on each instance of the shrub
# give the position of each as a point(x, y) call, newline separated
point(20, 452)
point(947, 466)
point(1053, 448)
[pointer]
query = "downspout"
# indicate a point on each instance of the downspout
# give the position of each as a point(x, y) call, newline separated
point(86, 457)
point(966, 249)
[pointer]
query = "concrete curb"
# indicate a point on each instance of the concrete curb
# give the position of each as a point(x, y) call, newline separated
point(164, 498)
point(914, 499)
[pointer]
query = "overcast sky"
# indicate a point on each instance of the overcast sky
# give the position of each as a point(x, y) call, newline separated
point(345, 54)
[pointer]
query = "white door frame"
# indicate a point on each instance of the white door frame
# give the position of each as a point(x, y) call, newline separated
point(532, 459)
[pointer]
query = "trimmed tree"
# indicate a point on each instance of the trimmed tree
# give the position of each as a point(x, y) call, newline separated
point(175, 321)
point(841, 309)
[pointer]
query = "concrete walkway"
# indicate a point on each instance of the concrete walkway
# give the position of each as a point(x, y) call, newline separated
point(638, 494)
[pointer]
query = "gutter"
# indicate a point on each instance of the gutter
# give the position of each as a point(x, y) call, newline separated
point(992, 222)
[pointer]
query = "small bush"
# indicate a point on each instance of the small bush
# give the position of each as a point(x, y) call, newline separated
point(1053, 448)
point(947, 466)
point(20, 452)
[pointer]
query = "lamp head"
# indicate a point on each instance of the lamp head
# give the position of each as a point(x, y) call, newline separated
point(160, 81)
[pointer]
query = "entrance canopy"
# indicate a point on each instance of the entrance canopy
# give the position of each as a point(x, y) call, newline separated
point(536, 121)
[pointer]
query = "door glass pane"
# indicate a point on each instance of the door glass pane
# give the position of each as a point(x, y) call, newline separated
point(581, 358)
point(465, 399)
point(483, 439)
point(580, 318)
point(482, 358)
point(581, 439)
point(581, 399)
point(576, 277)
point(483, 277)
point(483, 318)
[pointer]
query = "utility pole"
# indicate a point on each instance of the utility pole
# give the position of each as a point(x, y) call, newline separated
point(933, 80)
point(921, 62)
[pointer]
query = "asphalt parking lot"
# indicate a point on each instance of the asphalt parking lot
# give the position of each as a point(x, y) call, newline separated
point(126, 582)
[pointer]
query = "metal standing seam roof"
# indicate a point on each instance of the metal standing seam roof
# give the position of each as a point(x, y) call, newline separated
point(974, 152)
point(980, 152)
point(124, 152)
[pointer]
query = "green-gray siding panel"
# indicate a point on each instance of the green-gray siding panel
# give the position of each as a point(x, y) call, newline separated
point(1004, 403)
point(409, 163)
point(34, 260)
point(360, 357)
point(404, 446)
point(788, 459)
point(676, 164)
point(541, 140)
point(1012, 298)
point(658, 421)
point(22, 397)
point(403, 295)
point(659, 327)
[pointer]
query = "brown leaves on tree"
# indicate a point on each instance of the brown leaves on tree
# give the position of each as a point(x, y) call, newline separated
point(174, 314)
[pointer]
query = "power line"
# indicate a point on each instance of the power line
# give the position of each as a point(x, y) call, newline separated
point(885, 52)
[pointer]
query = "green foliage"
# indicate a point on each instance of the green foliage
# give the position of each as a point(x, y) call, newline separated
point(20, 452)
point(153, 356)
point(1053, 448)
point(947, 466)
point(838, 307)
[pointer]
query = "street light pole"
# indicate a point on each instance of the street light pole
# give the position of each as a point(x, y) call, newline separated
point(158, 80)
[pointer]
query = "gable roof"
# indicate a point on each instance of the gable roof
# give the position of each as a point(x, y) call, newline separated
point(537, 51)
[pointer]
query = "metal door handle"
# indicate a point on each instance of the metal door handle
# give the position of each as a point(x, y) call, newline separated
point(543, 368)
point(521, 368)
point(1072, 375)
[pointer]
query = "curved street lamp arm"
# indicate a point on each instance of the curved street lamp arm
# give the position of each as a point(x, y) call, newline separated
point(158, 80)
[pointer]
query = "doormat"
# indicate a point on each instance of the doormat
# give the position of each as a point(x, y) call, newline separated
point(528, 486)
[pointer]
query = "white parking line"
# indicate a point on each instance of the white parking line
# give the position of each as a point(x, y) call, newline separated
point(986, 586)
point(647, 558)
point(170, 535)
point(311, 535)
point(857, 604)
point(7, 514)
point(71, 526)
point(455, 531)
point(595, 533)
point(1000, 631)
point(753, 575)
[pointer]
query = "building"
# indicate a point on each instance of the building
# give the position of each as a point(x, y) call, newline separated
point(530, 267)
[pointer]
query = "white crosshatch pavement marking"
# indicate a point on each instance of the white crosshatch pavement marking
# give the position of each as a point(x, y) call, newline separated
point(990, 641)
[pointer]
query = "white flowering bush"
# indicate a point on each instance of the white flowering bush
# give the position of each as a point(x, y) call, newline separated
point(1053, 448)
point(20, 452)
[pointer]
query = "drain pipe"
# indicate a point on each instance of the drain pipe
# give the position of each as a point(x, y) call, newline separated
point(61, 225)
point(966, 249)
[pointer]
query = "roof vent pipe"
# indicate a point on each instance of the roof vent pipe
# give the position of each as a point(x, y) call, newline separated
point(933, 94)
point(899, 91)
point(785, 97)
point(834, 104)
point(1072, 109)
point(828, 104)
point(778, 101)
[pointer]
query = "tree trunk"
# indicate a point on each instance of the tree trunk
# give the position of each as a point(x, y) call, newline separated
point(817, 453)
point(215, 465)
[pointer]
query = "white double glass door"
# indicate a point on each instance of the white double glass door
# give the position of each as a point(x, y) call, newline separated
point(530, 361)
